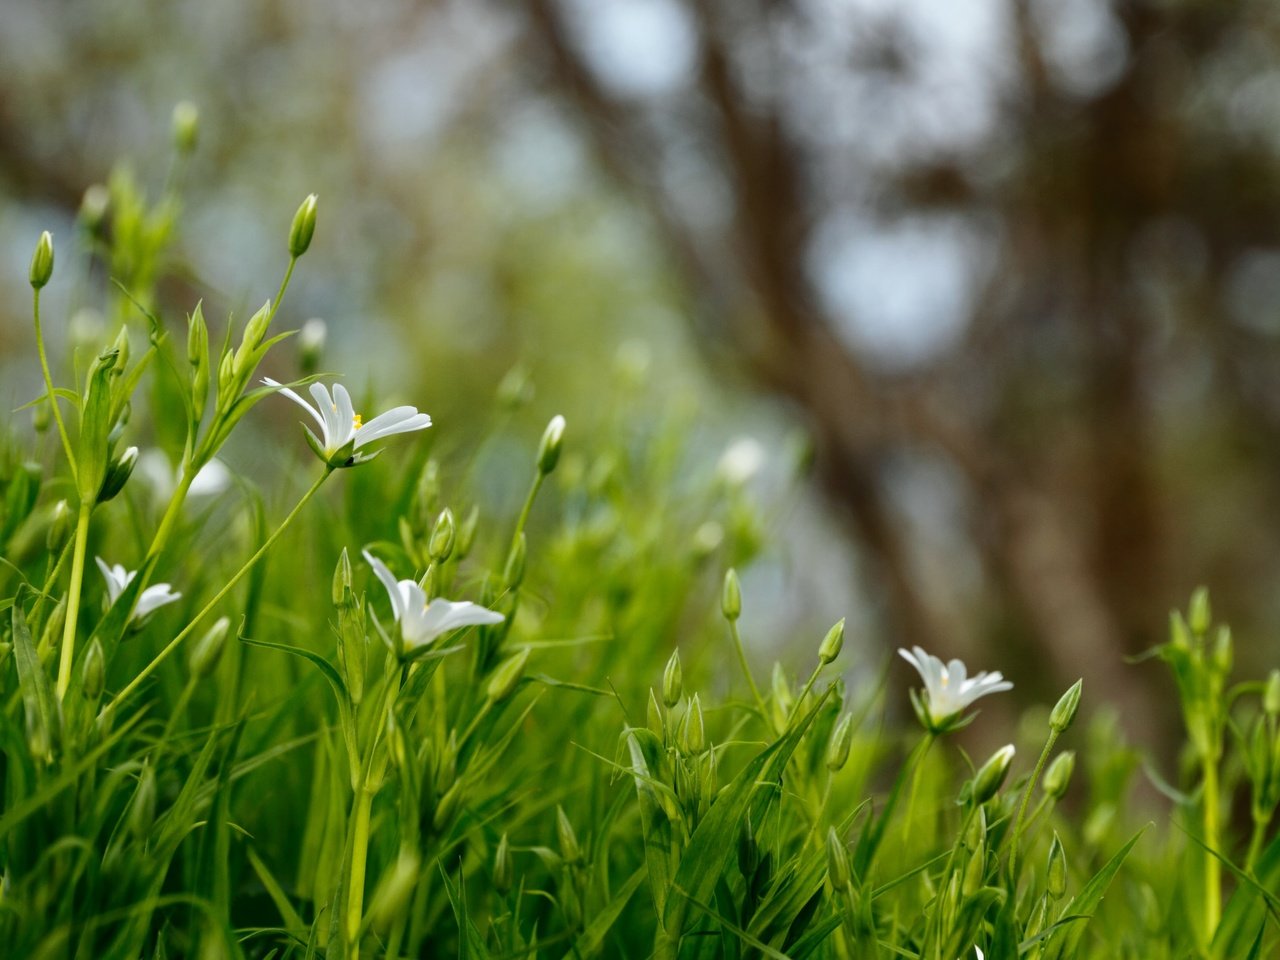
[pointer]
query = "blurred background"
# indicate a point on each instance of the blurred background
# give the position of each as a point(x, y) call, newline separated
point(982, 295)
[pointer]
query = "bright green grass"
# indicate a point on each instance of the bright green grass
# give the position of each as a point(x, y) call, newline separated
point(285, 782)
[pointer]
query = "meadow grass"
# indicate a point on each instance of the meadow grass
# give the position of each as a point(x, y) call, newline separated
point(355, 708)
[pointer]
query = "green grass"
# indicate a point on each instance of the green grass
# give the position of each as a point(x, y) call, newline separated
point(269, 766)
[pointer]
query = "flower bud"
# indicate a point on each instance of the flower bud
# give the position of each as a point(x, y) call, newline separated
point(1198, 613)
point(142, 809)
point(394, 890)
point(695, 734)
point(513, 571)
point(502, 871)
point(840, 742)
point(118, 473)
point(832, 642)
point(838, 872)
point(443, 536)
point(1223, 651)
point(1179, 632)
point(42, 261)
point(303, 228)
point(1271, 698)
point(1057, 777)
point(447, 806)
point(783, 696)
point(507, 677)
point(991, 776)
point(254, 333)
point(53, 626)
point(672, 680)
point(342, 594)
point(204, 656)
point(93, 676)
point(731, 596)
point(467, 533)
point(1064, 711)
point(549, 447)
point(185, 126)
point(311, 343)
point(41, 414)
point(1056, 874)
point(569, 849)
point(61, 523)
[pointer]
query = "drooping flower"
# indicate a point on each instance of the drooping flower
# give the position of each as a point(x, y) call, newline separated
point(152, 598)
point(947, 688)
point(421, 621)
point(342, 430)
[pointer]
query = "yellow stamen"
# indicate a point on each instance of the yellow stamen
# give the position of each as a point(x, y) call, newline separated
point(358, 422)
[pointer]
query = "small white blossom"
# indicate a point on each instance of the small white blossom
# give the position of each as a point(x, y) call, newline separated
point(163, 478)
point(152, 598)
point(947, 689)
point(342, 430)
point(741, 460)
point(420, 620)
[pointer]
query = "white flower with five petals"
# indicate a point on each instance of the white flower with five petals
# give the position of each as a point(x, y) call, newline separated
point(342, 430)
point(155, 596)
point(422, 621)
point(947, 688)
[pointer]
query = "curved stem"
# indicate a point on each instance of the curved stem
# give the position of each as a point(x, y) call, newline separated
point(538, 477)
point(746, 670)
point(53, 397)
point(284, 285)
point(1022, 807)
point(163, 655)
point(73, 600)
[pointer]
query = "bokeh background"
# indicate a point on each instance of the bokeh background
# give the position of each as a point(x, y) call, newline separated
point(993, 285)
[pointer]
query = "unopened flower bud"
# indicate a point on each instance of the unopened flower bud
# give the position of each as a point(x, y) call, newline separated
point(142, 809)
point(838, 872)
point(303, 228)
point(186, 126)
point(502, 871)
point(832, 642)
point(93, 208)
point(569, 849)
point(443, 537)
point(42, 261)
point(991, 776)
point(342, 580)
point(1064, 711)
point(507, 677)
point(1056, 874)
point(672, 680)
point(208, 649)
point(93, 677)
point(1271, 697)
point(1179, 632)
point(549, 447)
point(467, 533)
point(1199, 615)
point(41, 414)
point(1057, 777)
point(118, 473)
point(731, 596)
point(53, 626)
point(1223, 651)
point(513, 571)
point(61, 523)
point(311, 343)
point(840, 742)
point(695, 734)
point(254, 333)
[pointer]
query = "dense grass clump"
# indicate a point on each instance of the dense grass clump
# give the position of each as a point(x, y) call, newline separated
point(357, 708)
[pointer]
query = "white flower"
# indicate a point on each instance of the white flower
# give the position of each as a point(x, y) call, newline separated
point(152, 598)
point(947, 690)
point(342, 431)
point(741, 461)
point(163, 478)
point(422, 621)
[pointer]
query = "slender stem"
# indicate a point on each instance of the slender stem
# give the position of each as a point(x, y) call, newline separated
point(53, 397)
point(171, 513)
point(284, 285)
point(923, 747)
point(186, 631)
point(50, 579)
point(813, 677)
point(746, 670)
point(1022, 806)
point(73, 600)
point(1212, 868)
point(1261, 819)
point(359, 859)
point(538, 477)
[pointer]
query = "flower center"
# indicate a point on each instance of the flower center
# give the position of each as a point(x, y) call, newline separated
point(358, 421)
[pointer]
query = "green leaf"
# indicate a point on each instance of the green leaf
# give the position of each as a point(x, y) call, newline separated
point(593, 934)
point(43, 710)
point(1086, 902)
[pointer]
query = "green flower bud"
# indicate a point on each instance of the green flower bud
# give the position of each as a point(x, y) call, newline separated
point(395, 890)
point(513, 571)
point(186, 126)
point(1179, 632)
point(695, 734)
point(303, 228)
point(991, 776)
point(467, 533)
point(142, 809)
point(61, 524)
point(254, 333)
point(204, 656)
point(507, 677)
point(1056, 874)
point(672, 680)
point(447, 806)
point(1057, 776)
point(118, 473)
point(569, 849)
point(42, 261)
point(1199, 616)
point(442, 537)
point(342, 594)
point(41, 415)
point(1223, 651)
point(502, 870)
point(515, 389)
point(93, 208)
point(429, 580)
point(832, 642)
point(93, 676)
point(52, 632)
point(840, 742)
point(1271, 698)
point(549, 447)
point(1064, 711)
point(783, 697)
point(311, 343)
point(731, 596)
point(838, 872)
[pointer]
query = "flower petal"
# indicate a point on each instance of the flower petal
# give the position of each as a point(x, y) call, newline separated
point(296, 399)
point(389, 582)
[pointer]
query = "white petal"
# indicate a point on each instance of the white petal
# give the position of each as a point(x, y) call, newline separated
point(393, 589)
point(397, 420)
point(444, 615)
point(213, 478)
point(296, 399)
point(153, 598)
point(346, 415)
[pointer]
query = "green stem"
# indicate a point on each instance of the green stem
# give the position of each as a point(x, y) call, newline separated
point(171, 513)
point(359, 860)
point(1261, 820)
point(186, 631)
point(1212, 868)
point(284, 285)
point(37, 626)
point(923, 749)
point(73, 600)
point(53, 397)
point(746, 670)
point(538, 477)
point(1022, 806)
